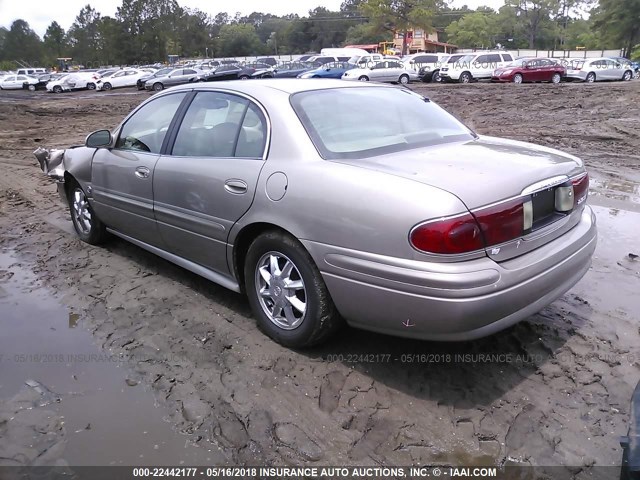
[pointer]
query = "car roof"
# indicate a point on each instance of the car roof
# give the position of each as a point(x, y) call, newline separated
point(287, 85)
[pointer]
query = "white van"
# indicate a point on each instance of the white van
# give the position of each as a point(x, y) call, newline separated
point(31, 71)
point(367, 60)
point(343, 52)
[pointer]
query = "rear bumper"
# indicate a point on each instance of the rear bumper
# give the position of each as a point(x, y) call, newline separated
point(576, 76)
point(454, 301)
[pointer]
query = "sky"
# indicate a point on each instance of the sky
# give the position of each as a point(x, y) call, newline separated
point(40, 13)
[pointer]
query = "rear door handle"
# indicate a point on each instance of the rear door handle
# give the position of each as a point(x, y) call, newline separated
point(142, 172)
point(235, 186)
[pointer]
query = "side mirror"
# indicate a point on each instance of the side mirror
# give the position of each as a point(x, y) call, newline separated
point(99, 138)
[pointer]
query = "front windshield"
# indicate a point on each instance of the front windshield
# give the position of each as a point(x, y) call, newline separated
point(373, 121)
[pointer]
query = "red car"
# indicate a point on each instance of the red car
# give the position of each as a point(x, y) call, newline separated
point(530, 70)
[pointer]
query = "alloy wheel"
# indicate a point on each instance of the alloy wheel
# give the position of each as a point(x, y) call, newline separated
point(81, 212)
point(281, 290)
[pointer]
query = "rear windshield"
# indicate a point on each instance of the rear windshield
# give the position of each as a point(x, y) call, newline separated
point(373, 121)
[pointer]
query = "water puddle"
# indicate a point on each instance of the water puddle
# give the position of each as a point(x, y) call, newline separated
point(616, 190)
point(99, 415)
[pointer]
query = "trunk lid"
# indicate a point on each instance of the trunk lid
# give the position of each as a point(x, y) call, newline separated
point(489, 170)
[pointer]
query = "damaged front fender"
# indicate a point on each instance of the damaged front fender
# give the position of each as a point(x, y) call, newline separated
point(51, 162)
point(60, 163)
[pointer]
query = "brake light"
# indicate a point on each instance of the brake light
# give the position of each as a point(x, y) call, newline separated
point(580, 189)
point(502, 222)
point(459, 234)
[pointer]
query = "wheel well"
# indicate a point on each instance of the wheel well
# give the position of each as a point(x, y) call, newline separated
point(245, 237)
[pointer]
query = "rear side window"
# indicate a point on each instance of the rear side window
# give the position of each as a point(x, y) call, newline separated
point(494, 58)
point(221, 125)
point(507, 57)
point(146, 128)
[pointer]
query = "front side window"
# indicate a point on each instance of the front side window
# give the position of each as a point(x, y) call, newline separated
point(146, 128)
point(373, 121)
point(221, 125)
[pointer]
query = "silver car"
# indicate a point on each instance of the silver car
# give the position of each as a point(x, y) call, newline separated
point(178, 76)
point(597, 69)
point(327, 201)
point(385, 71)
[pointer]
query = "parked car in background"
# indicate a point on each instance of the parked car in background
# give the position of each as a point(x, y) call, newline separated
point(228, 72)
point(305, 58)
point(268, 60)
point(17, 82)
point(530, 70)
point(475, 66)
point(426, 65)
point(598, 69)
point(72, 81)
point(364, 61)
point(124, 78)
point(158, 73)
point(42, 81)
point(31, 71)
point(385, 71)
point(322, 59)
point(442, 234)
point(328, 70)
point(290, 70)
point(635, 66)
point(177, 76)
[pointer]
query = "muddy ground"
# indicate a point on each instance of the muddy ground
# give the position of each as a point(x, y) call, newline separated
point(552, 390)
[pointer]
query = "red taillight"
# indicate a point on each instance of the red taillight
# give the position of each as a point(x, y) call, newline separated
point(458, 234)
point(502, 222)
point(580, 189)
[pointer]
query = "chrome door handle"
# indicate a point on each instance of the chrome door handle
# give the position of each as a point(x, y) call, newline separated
point(235, 186)
point(142, 172)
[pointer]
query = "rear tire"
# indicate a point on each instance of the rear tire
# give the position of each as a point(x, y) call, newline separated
point(86, 223)
point(436, 77)
point(628, 75)
point(591, 77)
point(91, 86)
point(32, 88)
point(287, 293)
point(244, 77)
point(556, 78)
point(158, 87)
point(404, 80)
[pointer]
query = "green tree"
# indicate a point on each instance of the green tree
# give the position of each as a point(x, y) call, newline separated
point(534, 19)
point(474, 30)
point(55, 41)
point(365, 33)
point(618, 22)
point(83, 35)
point(400, 15)
point(239, 40)
point(22, 44)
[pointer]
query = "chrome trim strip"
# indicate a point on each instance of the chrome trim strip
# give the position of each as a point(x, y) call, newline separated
point(544, 184)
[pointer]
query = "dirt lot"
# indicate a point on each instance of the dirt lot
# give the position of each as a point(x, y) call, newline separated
point(553, 390)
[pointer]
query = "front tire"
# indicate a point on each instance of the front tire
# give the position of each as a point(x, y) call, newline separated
point(436, 77)
point(465, 77)
point(517, 78)
point(57, 89)
point(627, 76)
point(287, 293)
point(107, 86)
point(158, 87)
point(364, 78)
point(85, 222)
